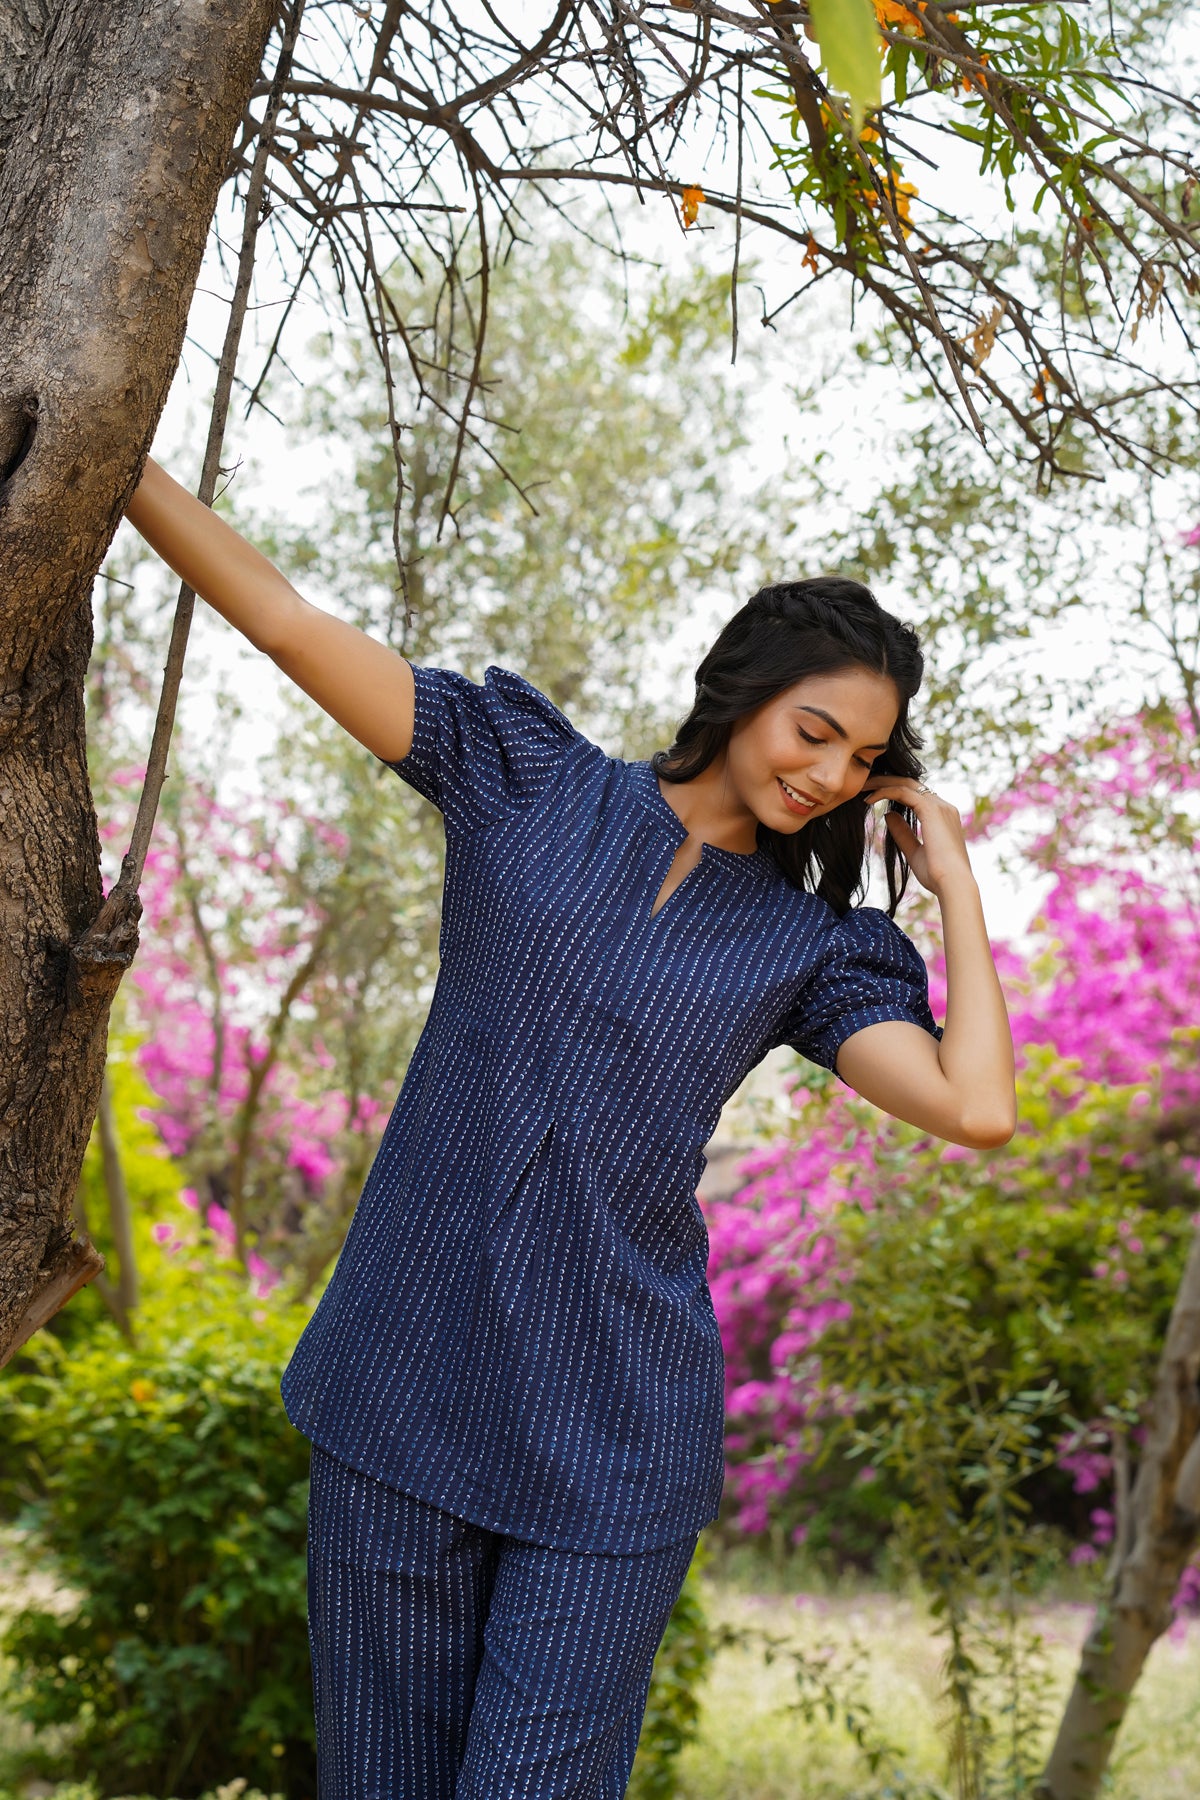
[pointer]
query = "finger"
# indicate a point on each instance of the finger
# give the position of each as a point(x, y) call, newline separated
point(913, 799)
point(895, 784)
point(906, 838)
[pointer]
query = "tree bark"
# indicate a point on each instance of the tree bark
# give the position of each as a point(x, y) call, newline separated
point(116, 124)
point(1163, 1530)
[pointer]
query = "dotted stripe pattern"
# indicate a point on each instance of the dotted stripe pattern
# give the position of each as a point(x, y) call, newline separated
point(452, 1661)
point(519, 1328)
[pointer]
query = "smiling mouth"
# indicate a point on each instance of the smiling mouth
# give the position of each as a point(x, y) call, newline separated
point(794, 800)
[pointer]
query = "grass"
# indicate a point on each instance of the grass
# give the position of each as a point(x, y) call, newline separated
point(751, 1748)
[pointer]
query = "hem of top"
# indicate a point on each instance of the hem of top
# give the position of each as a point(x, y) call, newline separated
point(435, 1493)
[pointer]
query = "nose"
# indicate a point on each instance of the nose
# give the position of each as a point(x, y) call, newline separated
point(828, 778)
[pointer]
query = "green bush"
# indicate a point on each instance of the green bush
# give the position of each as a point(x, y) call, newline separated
point(237, 1789)
point(164, 1487)
point(1000, 1305)
point(998, 1300)
point(673, 1706)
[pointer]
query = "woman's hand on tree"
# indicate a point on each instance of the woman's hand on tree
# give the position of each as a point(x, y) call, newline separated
point(363, 684)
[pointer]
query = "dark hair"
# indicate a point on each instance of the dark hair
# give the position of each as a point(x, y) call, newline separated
point(782, 634)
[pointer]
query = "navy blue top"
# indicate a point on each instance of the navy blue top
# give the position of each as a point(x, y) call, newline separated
point(519, 1328)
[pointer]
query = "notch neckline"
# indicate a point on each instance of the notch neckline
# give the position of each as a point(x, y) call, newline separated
point(651, 793)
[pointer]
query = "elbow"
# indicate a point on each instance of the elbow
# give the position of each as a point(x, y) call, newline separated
point(277, 629)
point(987, 1131)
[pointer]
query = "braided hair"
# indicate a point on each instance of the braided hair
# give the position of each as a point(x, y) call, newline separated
point(783, 634)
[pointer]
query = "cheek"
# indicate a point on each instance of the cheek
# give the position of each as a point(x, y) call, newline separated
point(785, 749)
point(754, 756)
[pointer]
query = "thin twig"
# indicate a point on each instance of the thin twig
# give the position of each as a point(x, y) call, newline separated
point(134, 861)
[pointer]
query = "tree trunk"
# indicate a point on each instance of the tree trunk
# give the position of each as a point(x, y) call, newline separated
point(1163, 1530)
point(116, 124)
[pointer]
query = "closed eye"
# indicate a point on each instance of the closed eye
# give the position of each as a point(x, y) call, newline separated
point(868, 766)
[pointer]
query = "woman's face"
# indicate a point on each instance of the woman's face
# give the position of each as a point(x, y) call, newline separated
point(817, 738)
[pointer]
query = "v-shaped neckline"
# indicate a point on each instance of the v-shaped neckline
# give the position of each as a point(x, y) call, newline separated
point(659, 906)
point(648, 790)
point(751, 863)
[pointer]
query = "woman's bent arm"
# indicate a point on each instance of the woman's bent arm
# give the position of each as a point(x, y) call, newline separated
point(358, 681)
point(963, 1088)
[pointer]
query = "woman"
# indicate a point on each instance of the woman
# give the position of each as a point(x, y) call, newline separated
point(513, 1382)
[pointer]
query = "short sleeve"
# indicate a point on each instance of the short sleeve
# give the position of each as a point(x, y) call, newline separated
point(869, 971)
point(481, 749)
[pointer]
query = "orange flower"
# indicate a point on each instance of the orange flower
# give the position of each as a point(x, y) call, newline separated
point(893, 12)
point(904, 18)
point(900, 193)
point(830, 119)
point(141, 1391)
point(905, 193)
point(969, 78)
point(690, 202)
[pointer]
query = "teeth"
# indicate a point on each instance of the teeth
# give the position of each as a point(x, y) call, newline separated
point(798, 798)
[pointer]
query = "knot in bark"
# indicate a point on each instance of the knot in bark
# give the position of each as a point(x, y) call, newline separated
point(101, 956)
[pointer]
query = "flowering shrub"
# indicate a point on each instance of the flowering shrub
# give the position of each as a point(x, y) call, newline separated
point(776, 1281)
point(206, 1052)
point(265, 945)
point(1062, 1251)
point(1114, 818)
point(1103, 1012)
point(176, 1235)
point(163, 1488)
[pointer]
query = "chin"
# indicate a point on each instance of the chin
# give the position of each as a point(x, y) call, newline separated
point(789, 825)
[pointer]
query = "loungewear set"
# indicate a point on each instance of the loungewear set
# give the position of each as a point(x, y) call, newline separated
point(514, 1382)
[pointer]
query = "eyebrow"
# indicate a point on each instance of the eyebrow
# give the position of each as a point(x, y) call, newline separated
point(830, 720)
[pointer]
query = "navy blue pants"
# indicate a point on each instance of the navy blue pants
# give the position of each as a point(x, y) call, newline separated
point(452, 1661)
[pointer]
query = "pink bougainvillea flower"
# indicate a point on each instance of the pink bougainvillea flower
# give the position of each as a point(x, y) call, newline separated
point(1111, 980)
point(264, 1277)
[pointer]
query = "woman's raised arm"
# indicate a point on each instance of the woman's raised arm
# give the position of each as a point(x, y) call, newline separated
point(963, 1087)
point(361, 683)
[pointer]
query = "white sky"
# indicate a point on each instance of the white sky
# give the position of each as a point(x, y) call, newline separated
point(861, 443)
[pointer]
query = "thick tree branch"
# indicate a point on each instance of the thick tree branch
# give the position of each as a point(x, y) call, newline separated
point(1162, 1532)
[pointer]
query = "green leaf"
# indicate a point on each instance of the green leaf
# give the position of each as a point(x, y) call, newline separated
point(849, 40)
point(900, 74)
